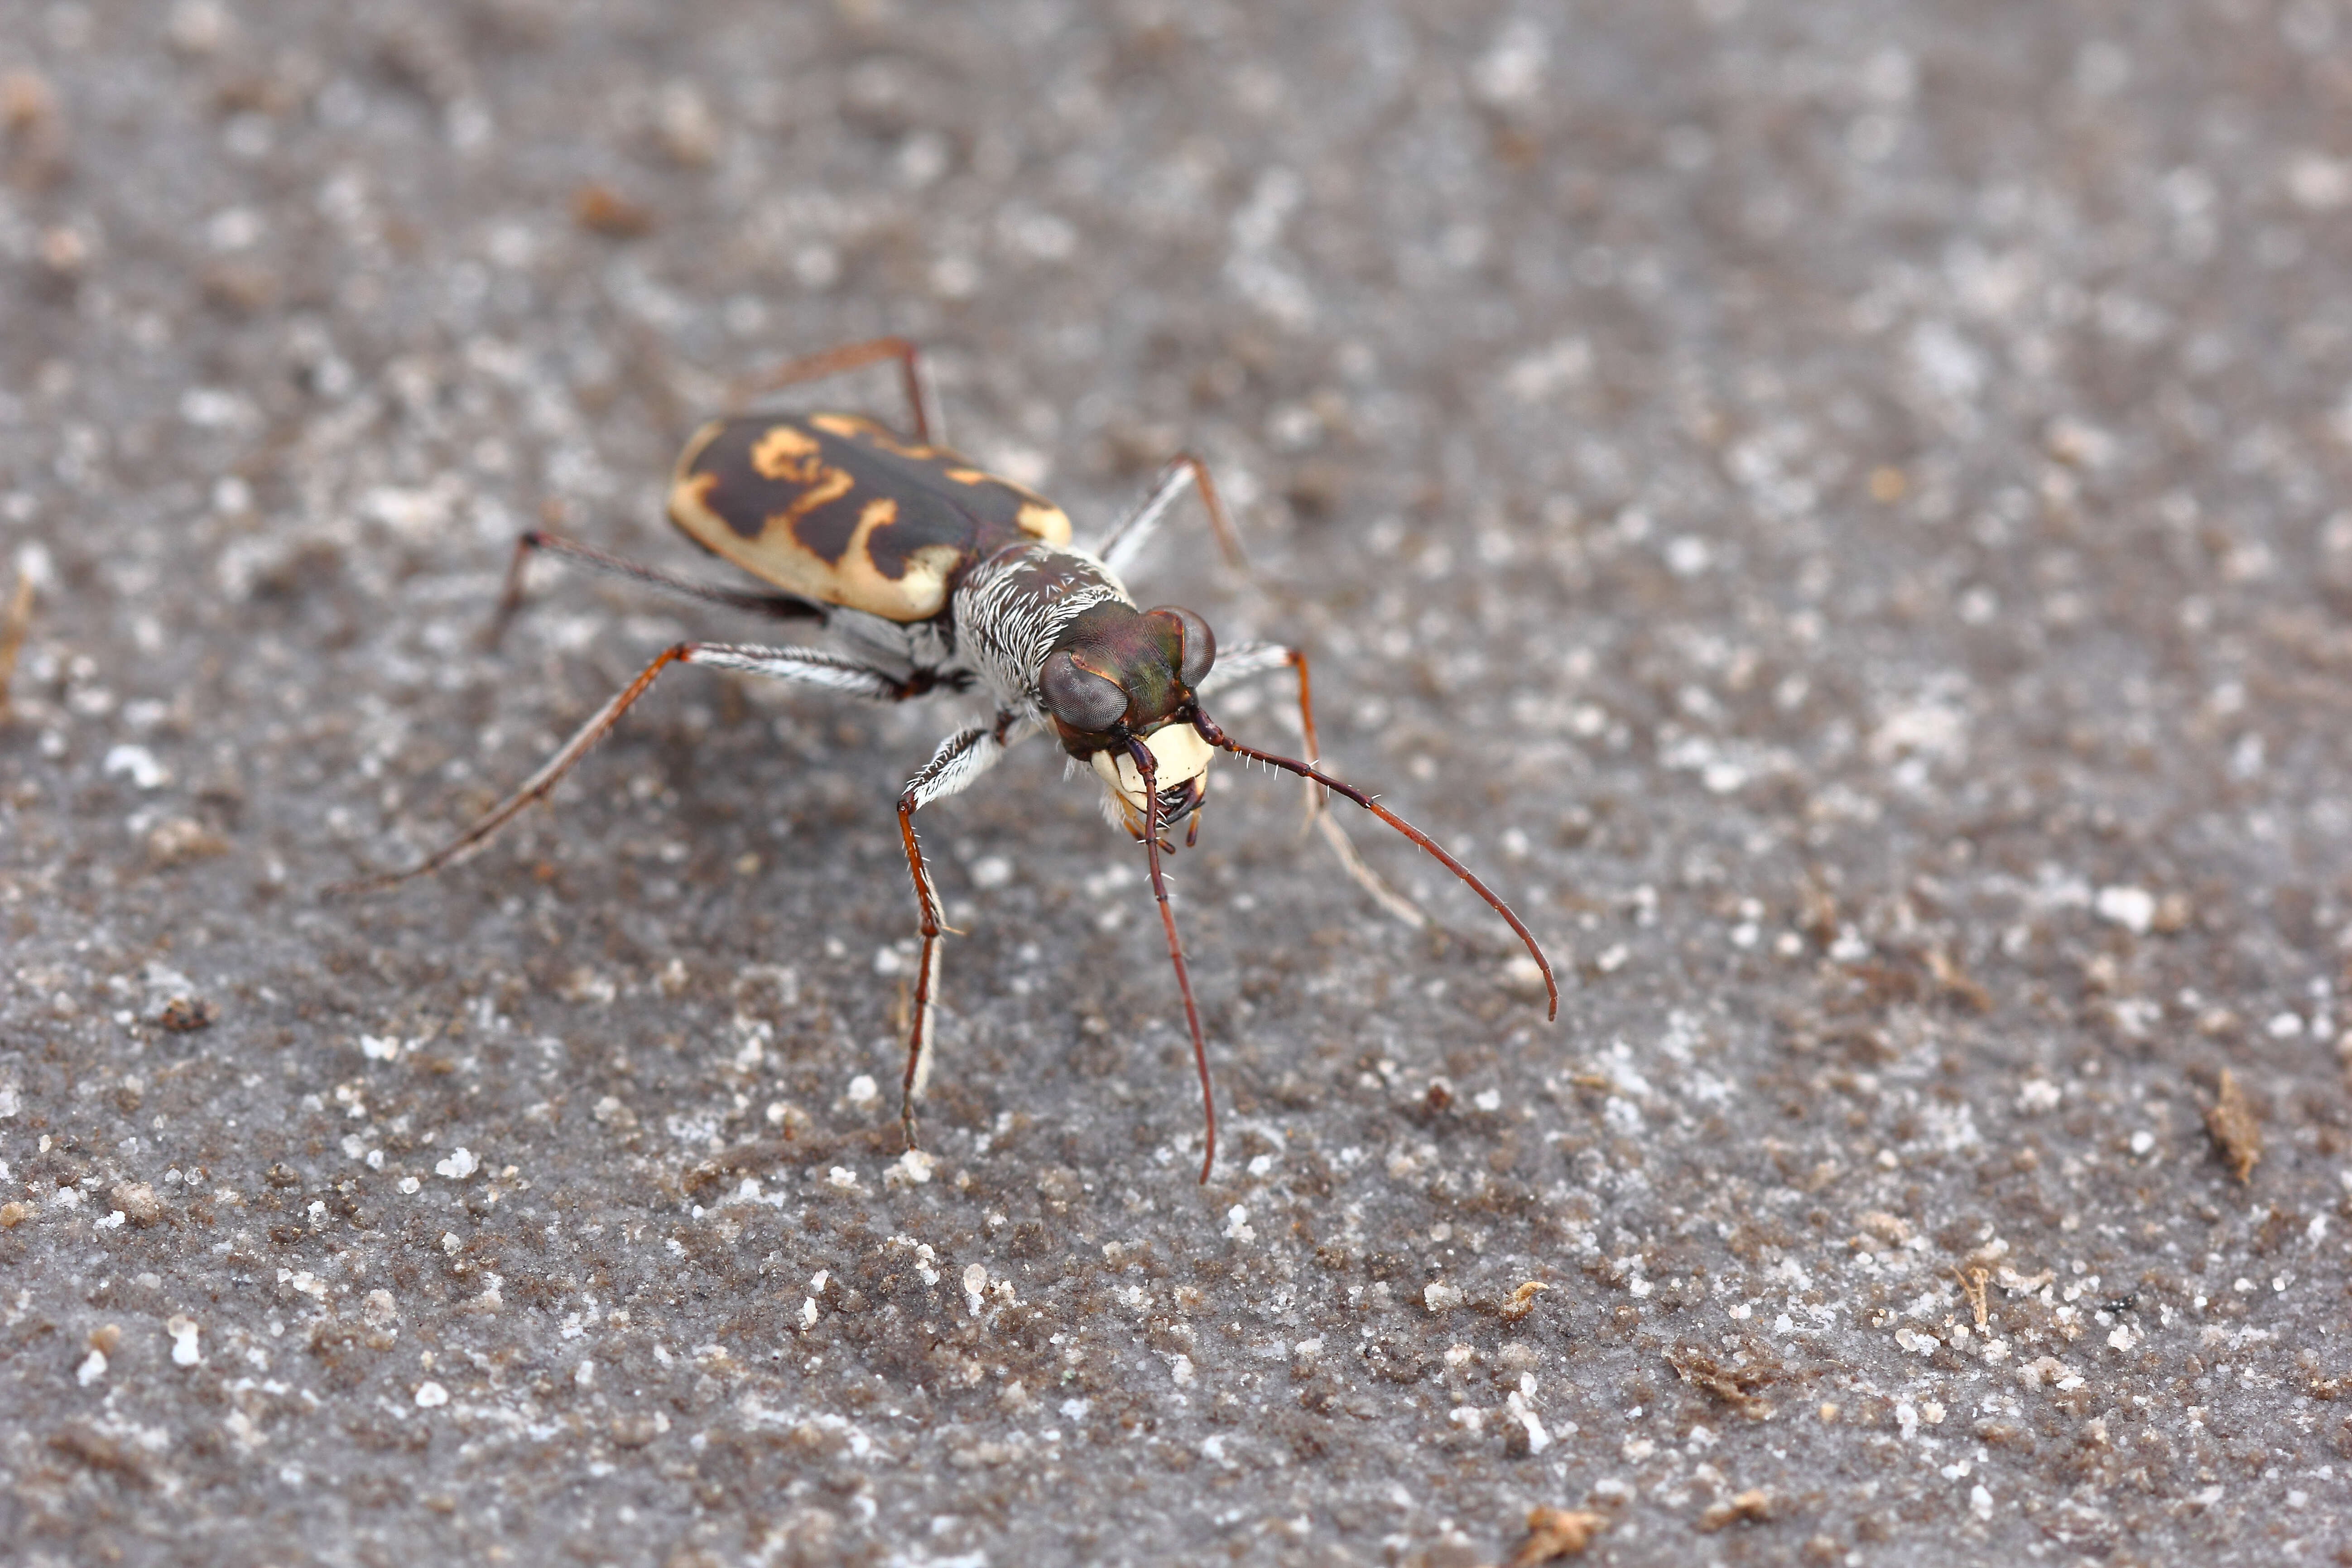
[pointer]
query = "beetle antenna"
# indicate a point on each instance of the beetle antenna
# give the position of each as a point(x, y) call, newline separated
point(1218, 738)
point(1144, 764)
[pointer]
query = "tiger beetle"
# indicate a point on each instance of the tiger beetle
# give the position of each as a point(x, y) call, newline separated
point(938, 576)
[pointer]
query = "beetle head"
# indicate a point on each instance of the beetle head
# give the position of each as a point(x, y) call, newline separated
point(1117, 675)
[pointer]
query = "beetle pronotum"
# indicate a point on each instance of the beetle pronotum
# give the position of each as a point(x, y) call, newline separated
point(939, 576)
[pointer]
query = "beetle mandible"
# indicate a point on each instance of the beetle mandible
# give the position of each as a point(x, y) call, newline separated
point(937, 576)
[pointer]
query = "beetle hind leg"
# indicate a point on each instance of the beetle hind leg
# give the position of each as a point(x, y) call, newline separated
point(775, 606)
point(810, 667)
point(835, 362)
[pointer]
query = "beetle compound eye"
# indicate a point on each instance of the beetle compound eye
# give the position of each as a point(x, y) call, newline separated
point(1078, 697)
point(1199, 642)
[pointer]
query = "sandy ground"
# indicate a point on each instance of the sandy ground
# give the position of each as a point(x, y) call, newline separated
point(1835, 507)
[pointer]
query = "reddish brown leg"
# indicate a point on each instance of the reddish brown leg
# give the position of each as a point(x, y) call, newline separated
point(468, 844)
point(1228, 540)
point(781, 606)
point(849, 357)
point(12, 635)
point(1297, 659)
point(1218, 738)
point(1319, 815)
point(922, 1011)
point(810, 667)
point(960, 758)
point(1125, 537)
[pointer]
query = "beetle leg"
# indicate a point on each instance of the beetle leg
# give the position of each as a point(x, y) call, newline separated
point(1253, 659)
point(1249, 661)
point(777, 606)
point(1127, 537)
point(928, 430)
point(960, 758)
point(811, 666)
point(12, 633)
point(1210, 732)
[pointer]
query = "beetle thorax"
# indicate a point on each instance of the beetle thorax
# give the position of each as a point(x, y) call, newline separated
point(1012, 608)
point(1053, 631)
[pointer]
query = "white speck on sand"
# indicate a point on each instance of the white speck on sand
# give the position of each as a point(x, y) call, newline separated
point(2134, 909)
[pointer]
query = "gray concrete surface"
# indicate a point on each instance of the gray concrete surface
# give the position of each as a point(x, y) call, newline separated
point(1836, 507)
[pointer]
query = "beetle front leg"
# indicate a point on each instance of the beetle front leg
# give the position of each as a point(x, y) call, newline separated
point(962, 758)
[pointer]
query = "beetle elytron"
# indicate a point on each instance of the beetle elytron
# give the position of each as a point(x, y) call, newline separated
point(939, 576)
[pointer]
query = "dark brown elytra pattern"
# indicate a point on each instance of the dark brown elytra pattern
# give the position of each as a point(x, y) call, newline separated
point(831, 483)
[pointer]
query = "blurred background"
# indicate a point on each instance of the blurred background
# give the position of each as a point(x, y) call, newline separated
point(1837, 509)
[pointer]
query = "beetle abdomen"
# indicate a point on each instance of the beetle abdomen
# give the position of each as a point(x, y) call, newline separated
point(835, 508)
